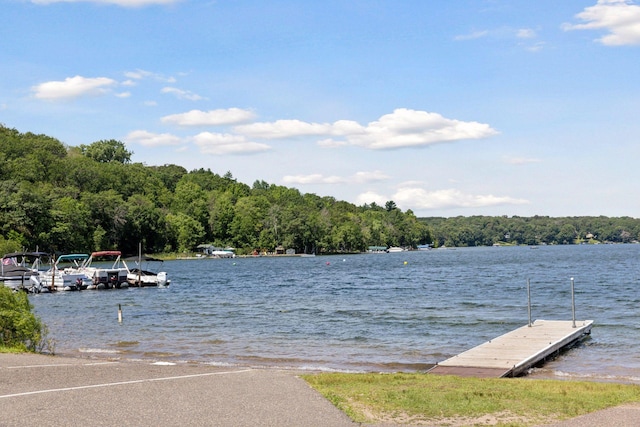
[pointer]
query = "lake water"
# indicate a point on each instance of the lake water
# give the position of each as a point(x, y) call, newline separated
point(371, 312)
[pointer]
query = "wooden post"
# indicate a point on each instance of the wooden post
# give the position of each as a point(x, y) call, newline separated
point(53, 274)
point(573, 304)
point(139, 264)
point(119, 313)
point(529, 300)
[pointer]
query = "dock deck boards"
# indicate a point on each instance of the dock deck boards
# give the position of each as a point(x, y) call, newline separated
point(516, 351)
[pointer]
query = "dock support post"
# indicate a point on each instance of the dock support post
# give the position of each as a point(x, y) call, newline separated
point(529, 299)
point(119, 313)
point(573, 304)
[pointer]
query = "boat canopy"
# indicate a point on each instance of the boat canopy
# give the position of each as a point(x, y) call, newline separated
point(26, 254)
point(72, 257)
point(106, 253)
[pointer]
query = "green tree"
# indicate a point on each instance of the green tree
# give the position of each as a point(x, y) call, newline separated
point(249, 221)
point(71, 229)
point(106, 151)
point(107, 210)
point(184, 231)
point(20, 329)
point(567, 234)
point(191, 199)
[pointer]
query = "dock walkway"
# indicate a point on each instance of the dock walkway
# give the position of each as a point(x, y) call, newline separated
point(513, 353)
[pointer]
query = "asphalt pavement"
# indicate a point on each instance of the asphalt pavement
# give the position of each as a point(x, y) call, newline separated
point(39, 390)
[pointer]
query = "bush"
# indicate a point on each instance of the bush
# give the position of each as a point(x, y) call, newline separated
point(20, 329)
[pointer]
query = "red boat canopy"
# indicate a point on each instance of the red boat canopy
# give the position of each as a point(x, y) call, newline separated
point(106, 253)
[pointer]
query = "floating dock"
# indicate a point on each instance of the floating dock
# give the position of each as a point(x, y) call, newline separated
point(513, 353)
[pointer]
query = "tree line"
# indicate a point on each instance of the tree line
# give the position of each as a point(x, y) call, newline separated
point(536, 230)
point(64, 199)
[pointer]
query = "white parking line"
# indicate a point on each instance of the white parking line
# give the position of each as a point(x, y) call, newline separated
point(27, 393)
point(59, 364)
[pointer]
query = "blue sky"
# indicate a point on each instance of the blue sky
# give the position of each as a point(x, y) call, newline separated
point(467, 107)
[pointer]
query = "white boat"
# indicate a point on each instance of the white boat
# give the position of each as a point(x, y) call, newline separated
point(140, 274)
point(104, 276)
point(395, 249)
point(225, 253)
point(20, 271)
point(65, 274)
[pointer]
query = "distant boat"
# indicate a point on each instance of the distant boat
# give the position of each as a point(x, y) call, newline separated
point(377, 249)
point(424, 247)
point(226, 253)
point(395, 249)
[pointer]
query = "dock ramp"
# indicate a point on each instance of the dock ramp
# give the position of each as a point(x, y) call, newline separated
point(511, 354)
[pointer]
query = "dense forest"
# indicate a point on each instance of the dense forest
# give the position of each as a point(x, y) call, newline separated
point(63, 199)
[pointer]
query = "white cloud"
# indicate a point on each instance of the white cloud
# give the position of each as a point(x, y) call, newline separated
point(125, 3)
point(375, 176)
point(371, 197)
point(143, 74)
point(149, 139)
point(138, 74)
point(284, 129)
point(402, 128)
point(123, 94)
point(472, 36)
point(219, 144)
point(210, 118)
point(358, 177)
point(182, 94)
point(73, 87)
point(312, 179)
point(536, 47)
point(411, 128)
point(420, 199)
point(525, 33)
point(621, 18)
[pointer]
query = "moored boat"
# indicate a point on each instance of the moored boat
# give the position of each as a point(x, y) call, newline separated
point(140, 273)
point(20, 271)
point(105, 276)
point(65, 274)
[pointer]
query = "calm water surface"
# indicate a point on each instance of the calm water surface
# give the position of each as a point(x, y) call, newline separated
point(369, 312)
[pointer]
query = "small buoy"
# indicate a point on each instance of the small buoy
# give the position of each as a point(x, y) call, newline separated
point(405, 263)
point(344, 260)
point(328, 263)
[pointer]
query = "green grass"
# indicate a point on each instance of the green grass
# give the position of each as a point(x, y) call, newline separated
point(15, 350)
point(450, 400)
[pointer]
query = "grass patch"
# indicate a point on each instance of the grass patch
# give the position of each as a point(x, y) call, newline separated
point(13, 350)
point(449, 400)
